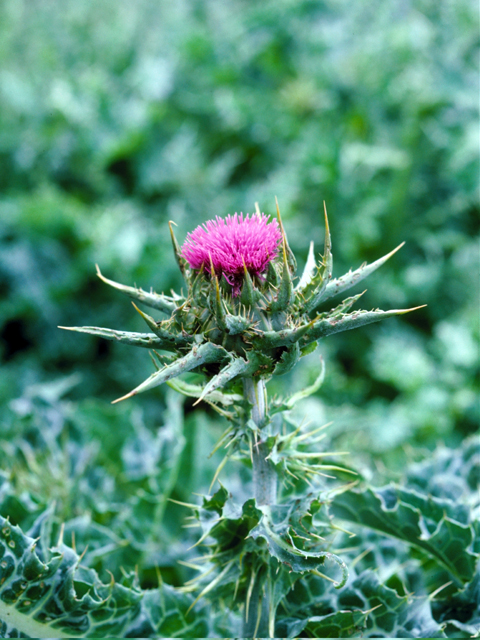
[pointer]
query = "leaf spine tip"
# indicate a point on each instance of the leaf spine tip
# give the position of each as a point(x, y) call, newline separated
point(82, 555)
point(327, 228)
point(402, 311)
point(212, 269)
point(279, 217)
point(100, 274)
point(125, 397)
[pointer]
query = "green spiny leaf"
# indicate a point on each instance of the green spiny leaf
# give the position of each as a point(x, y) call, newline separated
point(237, 324)
point(313, 292)
point(350, 279)
point(297, 559)
point(292, 263)
point(151, 299)
point(288, 360)
point(272, 275)
point(147, 340)
point(249, 296)
point(175, 339)
point(438, 527)
point(258, 364)
point(233, 369)
point(283, 338)
point(216, 502)
point(39, 599)
point(216, 303)
point(328, 326)
point(308, 271)
point(285, 292)
point(205, 353)
point(182, 263)
point(461, 610)
point(341, 624)
point(379, 611)
point(344, 306)
point(196, 391)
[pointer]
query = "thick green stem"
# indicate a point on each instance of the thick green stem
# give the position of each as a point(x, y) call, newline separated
point(264, 474)
point(265, 492)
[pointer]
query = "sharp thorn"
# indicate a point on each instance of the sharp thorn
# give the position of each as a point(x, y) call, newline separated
point(129, 395)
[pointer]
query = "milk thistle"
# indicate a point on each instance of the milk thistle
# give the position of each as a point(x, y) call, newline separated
point(243, 319)
point(231, 245)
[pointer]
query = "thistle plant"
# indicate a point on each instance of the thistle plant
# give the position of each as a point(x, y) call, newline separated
point(243, 318)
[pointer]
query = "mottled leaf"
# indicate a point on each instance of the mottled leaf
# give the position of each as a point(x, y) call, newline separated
point(364, 608)
point(438, 527)
point(282, 547)
point(60, 598)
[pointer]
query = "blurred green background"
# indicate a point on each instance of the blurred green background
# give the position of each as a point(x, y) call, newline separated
point(116, 117)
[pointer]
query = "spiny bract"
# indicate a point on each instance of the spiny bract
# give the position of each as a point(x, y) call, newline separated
point(232, 324)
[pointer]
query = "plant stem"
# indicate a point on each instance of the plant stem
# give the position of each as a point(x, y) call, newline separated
point(265, 492)
point(264, 474)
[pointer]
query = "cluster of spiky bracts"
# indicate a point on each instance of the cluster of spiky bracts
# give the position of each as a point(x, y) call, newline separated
point(244, 312)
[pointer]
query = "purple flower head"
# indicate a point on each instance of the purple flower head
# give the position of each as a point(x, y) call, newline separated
point(232, 242)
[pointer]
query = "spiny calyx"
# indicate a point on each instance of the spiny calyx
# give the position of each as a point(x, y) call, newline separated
point(236, 323)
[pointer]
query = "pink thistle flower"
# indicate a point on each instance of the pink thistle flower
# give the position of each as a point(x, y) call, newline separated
point(231, 242)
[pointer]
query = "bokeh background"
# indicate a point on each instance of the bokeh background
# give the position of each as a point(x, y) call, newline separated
point(116, 117)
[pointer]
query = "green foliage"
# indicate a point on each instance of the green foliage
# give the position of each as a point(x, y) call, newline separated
point(56, 596)
point(72, 485)
point(106, 133)
point(117, 117)
point(399, 585)
point(432, 524)
point(283, 528)
point(382, 611)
